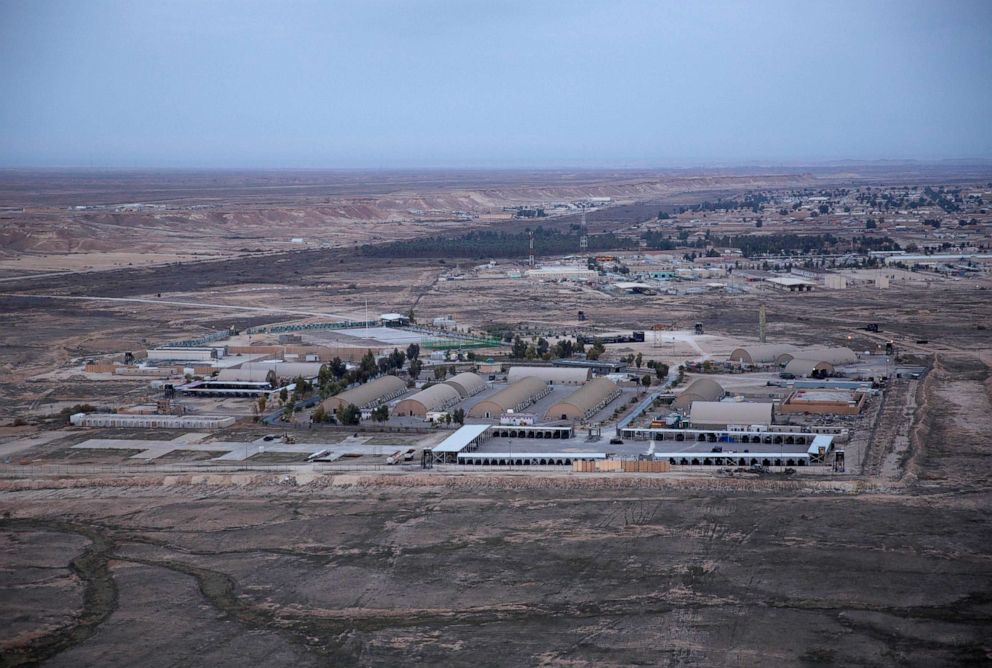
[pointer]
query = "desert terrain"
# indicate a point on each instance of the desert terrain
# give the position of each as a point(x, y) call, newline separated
point(288, 562)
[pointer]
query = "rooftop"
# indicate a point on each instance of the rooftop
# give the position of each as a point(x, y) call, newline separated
point(461, 439)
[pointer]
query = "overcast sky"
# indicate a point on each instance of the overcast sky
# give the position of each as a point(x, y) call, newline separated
point(484, 83)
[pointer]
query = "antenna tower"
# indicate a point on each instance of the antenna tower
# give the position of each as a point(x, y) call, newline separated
point(762, 324)
point(531, 249)
point(584, 239)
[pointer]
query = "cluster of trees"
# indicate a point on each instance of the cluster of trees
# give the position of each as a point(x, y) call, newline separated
point(595, 350)
point(660, 369)
point(948, 199)
point(349, 414)
point(776, 244)
point(658, 241)
point(864, 244)
point(334, 376)
point(770, 244)
point(487, 243)
point(542, 349)
point(754, 201)
point(457, 416)
point(637, 360)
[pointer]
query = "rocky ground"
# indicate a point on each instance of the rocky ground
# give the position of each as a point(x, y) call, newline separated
point(470, 570)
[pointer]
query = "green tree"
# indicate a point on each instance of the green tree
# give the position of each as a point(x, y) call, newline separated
point(542, 346)
point(380, 413)
point(519, 349)
point(459, 415)
point(338, 368)
point(413, 351)
point(564, 348)
point(661, 370)
point(596, 350)
point(639, 360)
point(440, 372)
point(646, 381)
point(349, 414)
point(415, 367)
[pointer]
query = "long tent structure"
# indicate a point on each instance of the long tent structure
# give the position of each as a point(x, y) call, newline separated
point(833, 355)
point(243, 375)
point(783, 353)
point(434, 398)
point(763, 353)
point(368, 395)
point(701, 389)
point(468, 384)
point(801, 367)
point(515, 397)
point(550, 374)
point(585, 401)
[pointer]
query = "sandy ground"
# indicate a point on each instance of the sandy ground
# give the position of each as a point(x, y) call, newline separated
point(373, 570)
point(888, 566)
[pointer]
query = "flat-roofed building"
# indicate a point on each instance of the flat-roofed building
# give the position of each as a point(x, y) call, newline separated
point(259, 371)
point(151, 421)
point(585, 401)
point(182, 354)
point(824, 402)
point(730, 414)
point(515, 397)
point(550, 374)
point(791, 283)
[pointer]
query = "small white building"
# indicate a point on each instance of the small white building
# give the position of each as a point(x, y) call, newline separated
point(790, 283)
point(516, 419)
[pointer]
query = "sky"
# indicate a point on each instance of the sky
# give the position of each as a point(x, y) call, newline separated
point(490, 83)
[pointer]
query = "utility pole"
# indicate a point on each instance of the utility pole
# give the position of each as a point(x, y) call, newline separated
point(762, 324)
